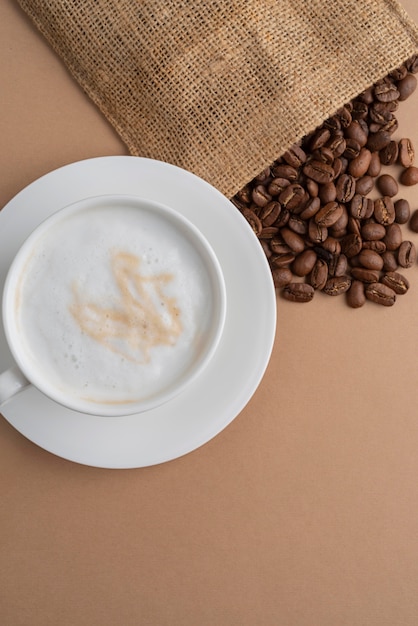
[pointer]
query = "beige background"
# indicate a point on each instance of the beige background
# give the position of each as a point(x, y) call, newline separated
point(303, 512)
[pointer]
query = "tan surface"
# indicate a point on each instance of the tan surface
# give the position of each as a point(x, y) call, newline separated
point(303, 512)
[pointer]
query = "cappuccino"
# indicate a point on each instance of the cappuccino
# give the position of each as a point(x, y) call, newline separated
point(117, 301)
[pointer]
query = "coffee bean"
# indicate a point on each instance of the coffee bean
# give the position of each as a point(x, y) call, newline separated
point(283, 170)
point(319, 274)
point(317, 232)
point(253, 220)
point(387, 185)
point(406, 86)
point(304, 263)
point(297, 224)
point(386, 92)
point(364, 185)
point(268, 232)
point(293, 240)
point(345, 187)
point(407, 254)
point(328, 214)
point(260, 196)
point(269, 214)
point(282, 260)
point(298, 292)
point(319, 138)
point(381, 294)
point(390, 263)
point(355, 297)
point(373, 231)
point(357, 132)
point(409, 176)
point(378, 141)
point(370, 259)
point(359, 206)
point(292, 196)
point(389, 154)
point(295, 156)
point(402, 211)
point(384, 210)
point(351, 245)
point(413, 222)
point(406, 154)
point(336, 285)
point(319, 171)
point(375, 165)
point(377, 246)
point(396, 281)
point(359, 166)
point(277, 185)
point(393, 237)
point(365, 275)
point(311, 208)
point(327, 192)
point(282, 276)
point(338, 265)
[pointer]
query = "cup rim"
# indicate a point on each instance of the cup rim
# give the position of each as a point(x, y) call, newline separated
point(106, 409)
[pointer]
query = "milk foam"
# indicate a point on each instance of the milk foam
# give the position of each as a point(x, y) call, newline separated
point(113, 304)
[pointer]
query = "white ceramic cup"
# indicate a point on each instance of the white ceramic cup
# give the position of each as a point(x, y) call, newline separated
point(112, 306)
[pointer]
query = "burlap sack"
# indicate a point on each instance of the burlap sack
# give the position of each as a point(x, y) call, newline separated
point(223, 88)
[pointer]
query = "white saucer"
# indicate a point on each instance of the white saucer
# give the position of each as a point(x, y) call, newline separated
point(215, 398)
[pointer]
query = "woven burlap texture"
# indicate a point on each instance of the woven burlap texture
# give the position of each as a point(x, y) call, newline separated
point(223, 88)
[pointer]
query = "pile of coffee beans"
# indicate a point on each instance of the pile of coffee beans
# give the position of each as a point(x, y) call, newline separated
point(313, 213)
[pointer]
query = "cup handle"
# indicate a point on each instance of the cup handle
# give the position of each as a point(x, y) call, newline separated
point(11, 382)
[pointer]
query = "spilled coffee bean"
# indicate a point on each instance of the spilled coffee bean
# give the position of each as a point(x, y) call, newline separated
point(319, 229)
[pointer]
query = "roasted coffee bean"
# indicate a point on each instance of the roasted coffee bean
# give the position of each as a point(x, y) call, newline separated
point(381, 294)
point(298, 292)
point(370, 259)
point(253, 220)
point(278, 246)
point(355, 297)
point(328, 214)
point(331, 245)
point(317, 232)
point(293, 240)
point(263, 176)
point(396, 281)
point(358, 206)
point(292, 196)
point(378, 141)
point(373, 231)
point(365, 275)
point(377, 246)
point(406, 86)
point(357, 132)
point(312, 207)
point(375, 165)
point(402, 211)
point(413, 222)
point(360, 110)
point(312, 187)
point(386, 92)
point(384, 210)
point(283, 170)
point(282, 260)
point(295, 156)
point(336, 285)
point(338, 265)
point(409, 176)
point(412, 64)
point(393, 237)
point(387, 185)
point(260, 196)
point(283, 218)
point(268, 232)
point(345, 187)
point(337, 144)
point(298, 225)
point(341, 224)
point(269, 214)
point(282, 276)
point(351, 245)
point(319, 274)
point(304, 262)
point(354, 225)
point(390, 263)
point(276, 186)
point(406, 153)
point(359, 166)
point(339, 166)
point(389, 154)
point(319, 171)
point(324, 154)
point(407, 254)
point(364, 185)
point(319, 138)
point(327, 192)
point(352, 149)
